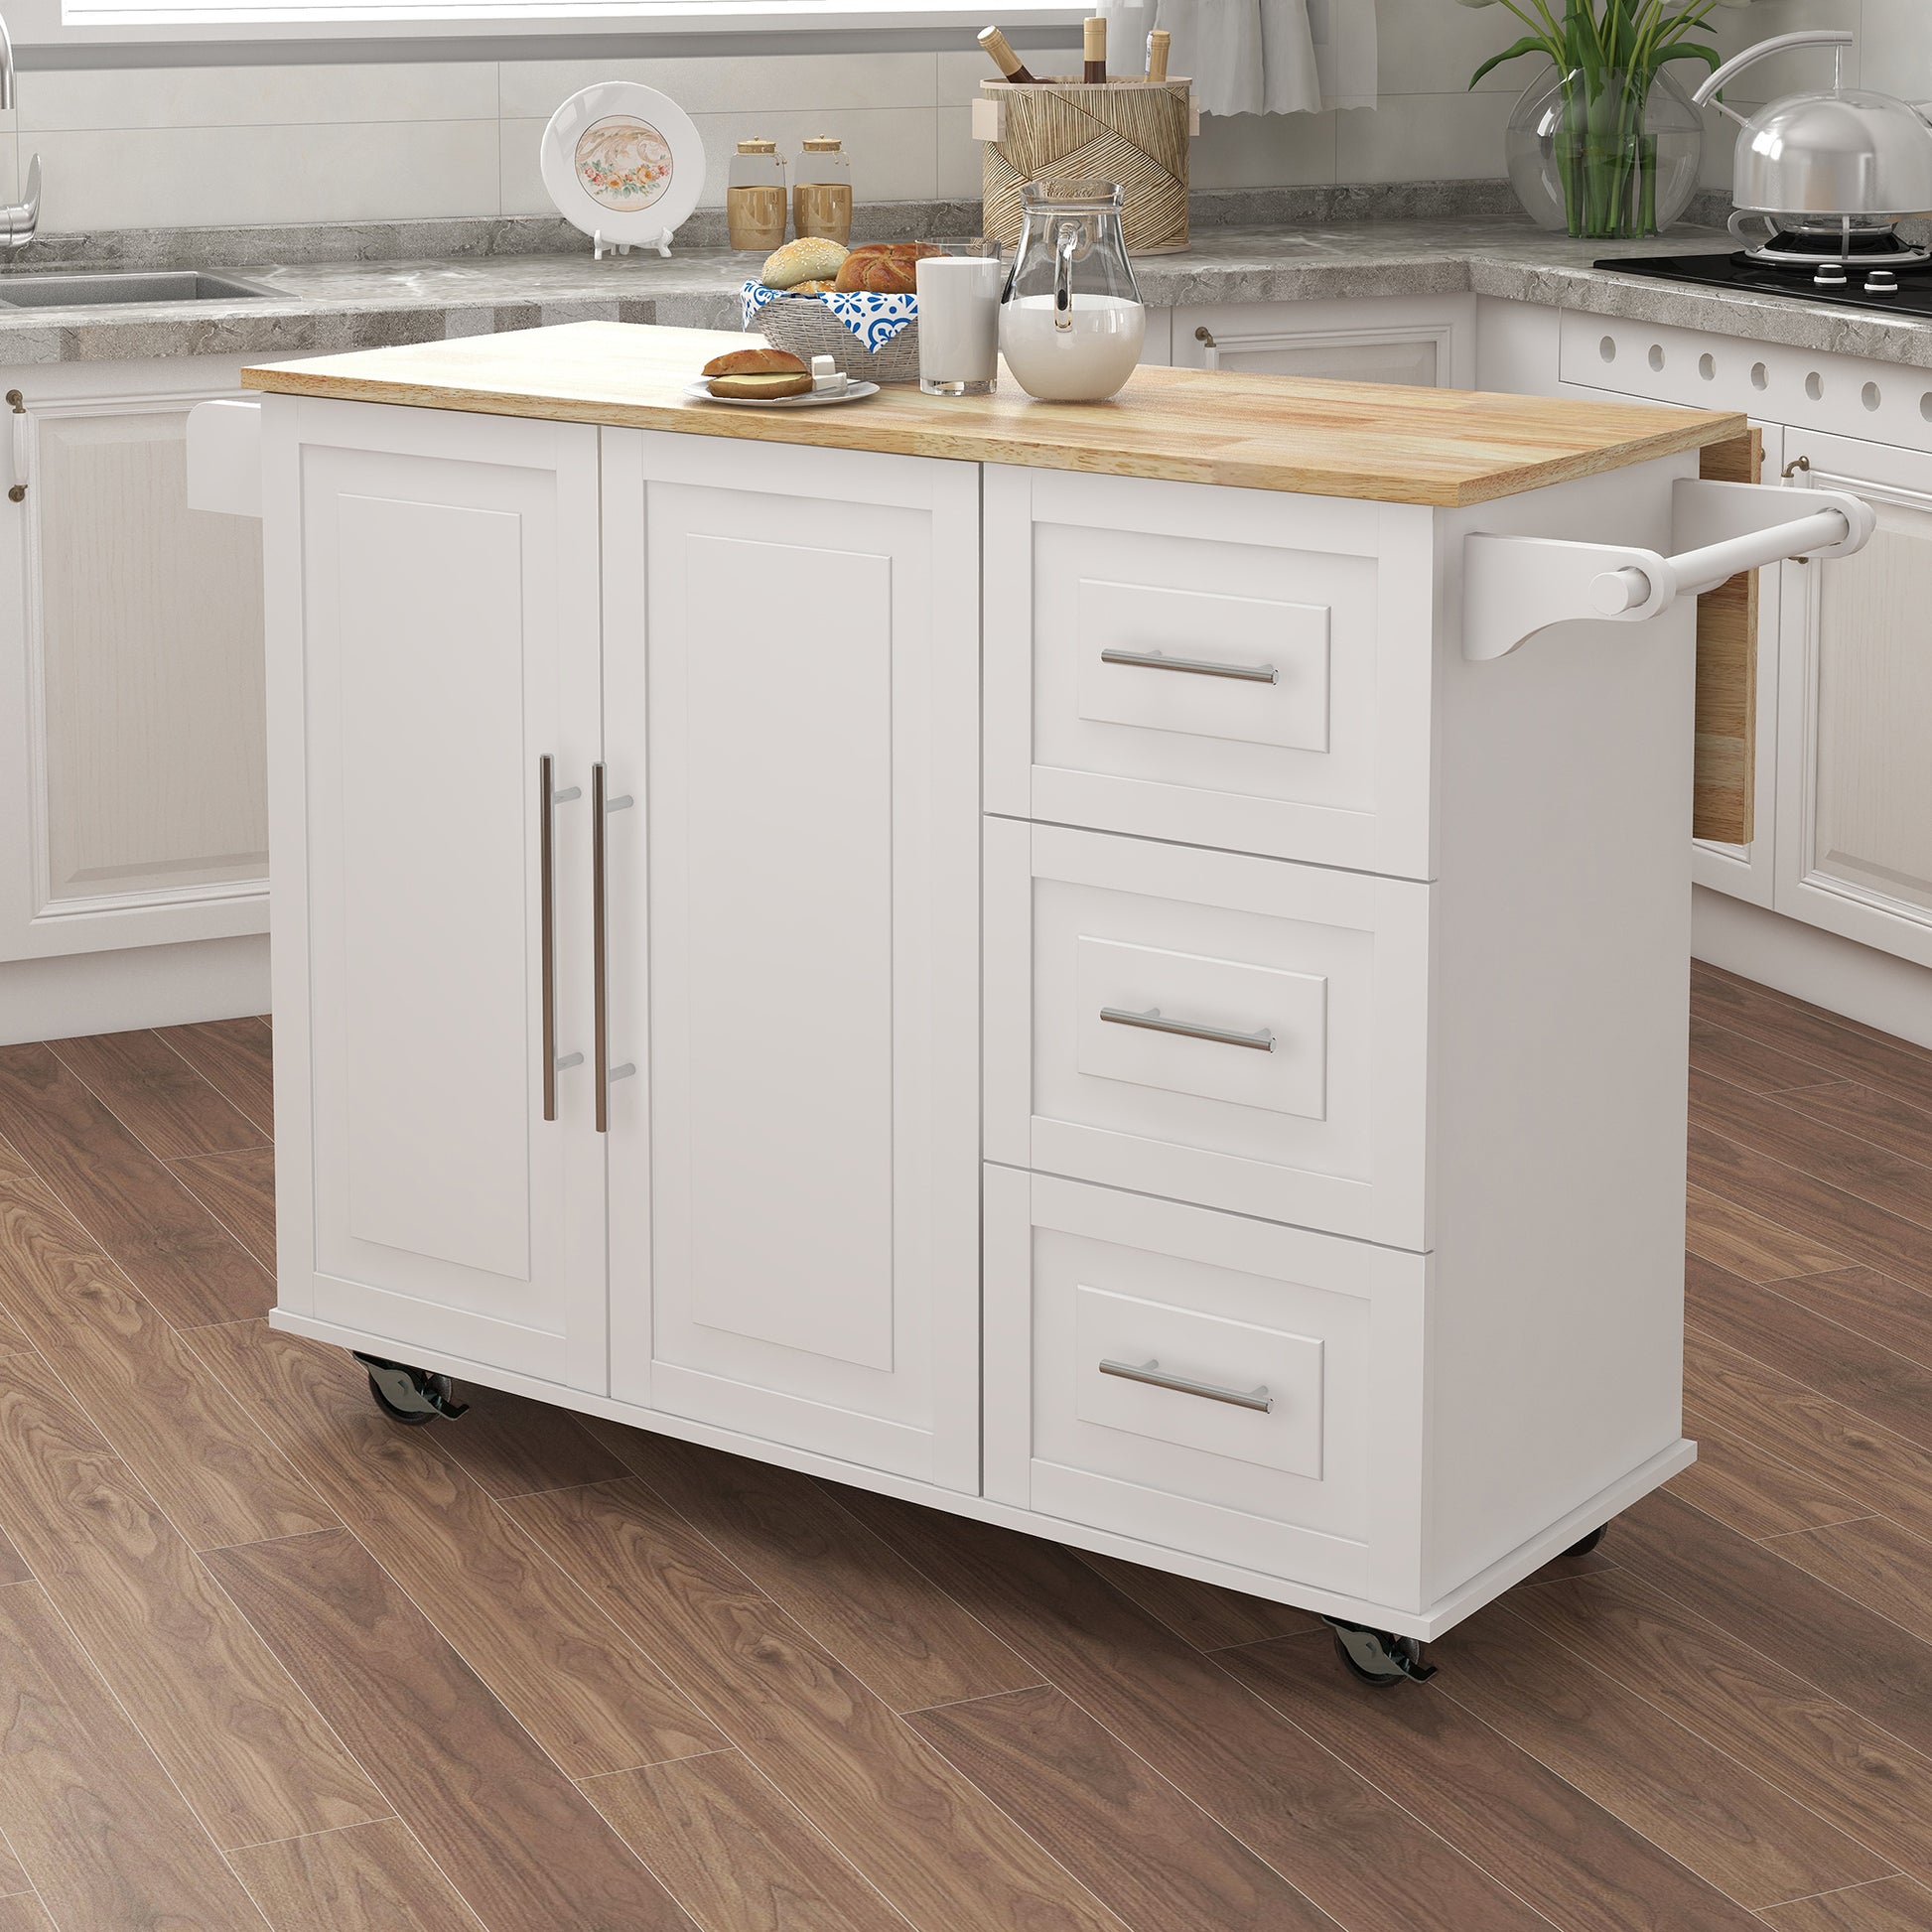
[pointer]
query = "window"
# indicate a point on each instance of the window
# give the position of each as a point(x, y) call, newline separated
point(636, 16)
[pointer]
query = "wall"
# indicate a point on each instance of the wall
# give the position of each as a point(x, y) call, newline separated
point(177, 145)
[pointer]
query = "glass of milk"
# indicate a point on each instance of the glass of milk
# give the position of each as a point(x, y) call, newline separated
point(1071, 320)
point(959, 324)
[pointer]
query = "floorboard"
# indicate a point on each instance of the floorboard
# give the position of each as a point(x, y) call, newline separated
point(1752, 1492)
point(919, 1832)
point(244, 1745)
point(1872, 1305)
point(1126, 1832)
point(1689, 1798)
point(1892, 1906)
point(871, 1610)
point(1208, 1616)
point(372, 1877)
point(238, 1190)
point(591, 1699)
point(733, 1853)
point(1883, 1566)
point(98, 1826)
point(511, 1833)
point(192, 1444)
point(1361, 1858)
point(172, 1249)
point(157, 1096)
point(237, 1058)
point(1747, 1244)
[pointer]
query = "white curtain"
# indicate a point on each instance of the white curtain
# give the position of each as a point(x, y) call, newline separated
point(1256, 57)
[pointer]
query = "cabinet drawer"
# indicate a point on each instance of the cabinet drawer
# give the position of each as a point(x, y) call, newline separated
point(1209, 1026)
point(1257, 682)
point(1313, 1340)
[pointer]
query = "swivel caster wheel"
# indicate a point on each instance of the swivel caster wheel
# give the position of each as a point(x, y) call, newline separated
point(1588, 1542)
point(410, 1395)
point(1379, 1657)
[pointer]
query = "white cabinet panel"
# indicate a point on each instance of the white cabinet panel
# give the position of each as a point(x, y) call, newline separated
point(1210, 1027)
point(804, 624)
point(1326, 1332)
point(1415, 341)
point(131, 697)
point(1855, 784)
point(450, 618)
point(1212, 665)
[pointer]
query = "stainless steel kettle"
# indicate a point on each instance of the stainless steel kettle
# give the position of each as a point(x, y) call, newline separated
point(1841, 159)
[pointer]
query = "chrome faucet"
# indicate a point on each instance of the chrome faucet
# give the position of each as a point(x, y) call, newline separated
point(18, 222)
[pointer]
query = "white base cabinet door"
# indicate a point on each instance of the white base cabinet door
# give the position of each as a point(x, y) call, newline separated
point(1854, 782)
point(443, 629)
point(133, 791)
point(791, 690)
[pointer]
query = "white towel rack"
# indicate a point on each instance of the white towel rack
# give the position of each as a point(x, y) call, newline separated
point(1515, 587)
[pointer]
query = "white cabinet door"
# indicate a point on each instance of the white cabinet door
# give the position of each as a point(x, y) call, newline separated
point(1854, 783)
point(130, 673)
point(794, 1181)
point(433, 647)
point(1422, 343)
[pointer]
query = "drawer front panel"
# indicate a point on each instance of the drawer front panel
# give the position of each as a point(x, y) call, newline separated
point(1228, 674)
point(1209, 1026)
point(1252, 670)
point(1324, 1332)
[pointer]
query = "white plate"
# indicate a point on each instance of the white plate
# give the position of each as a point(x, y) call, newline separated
point(700, 392)
point(623, 161)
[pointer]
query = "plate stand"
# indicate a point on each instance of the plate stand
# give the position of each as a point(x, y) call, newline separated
point(600, 247)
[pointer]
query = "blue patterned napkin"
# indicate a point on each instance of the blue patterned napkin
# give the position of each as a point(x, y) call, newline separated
point(874, 319)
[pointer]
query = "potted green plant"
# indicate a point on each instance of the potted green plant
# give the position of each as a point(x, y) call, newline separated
point(1609, 144)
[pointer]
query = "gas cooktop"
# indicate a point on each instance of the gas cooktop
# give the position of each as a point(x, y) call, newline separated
point(1905, 290)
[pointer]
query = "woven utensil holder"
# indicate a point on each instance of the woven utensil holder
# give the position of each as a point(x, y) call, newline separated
point(1134, 132)
point(806, 327)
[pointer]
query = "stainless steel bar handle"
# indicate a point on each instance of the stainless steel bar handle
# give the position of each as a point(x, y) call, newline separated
point(547, 893)
point(1262, 1041)
point(1159, 660)
point(600, 988)
point(1155, 1376)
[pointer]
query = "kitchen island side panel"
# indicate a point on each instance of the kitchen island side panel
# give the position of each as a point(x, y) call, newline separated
point(1558, 1070)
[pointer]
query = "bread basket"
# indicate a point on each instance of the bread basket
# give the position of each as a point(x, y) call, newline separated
point(805, 326)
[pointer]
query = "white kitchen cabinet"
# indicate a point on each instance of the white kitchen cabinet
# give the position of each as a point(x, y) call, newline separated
point(438, 649)
point(792, 696)
point(1423, 342)
point(134, 808)
point(1240, 1115)
point(1854, 780)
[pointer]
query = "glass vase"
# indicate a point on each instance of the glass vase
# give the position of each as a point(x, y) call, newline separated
point(1611, 155)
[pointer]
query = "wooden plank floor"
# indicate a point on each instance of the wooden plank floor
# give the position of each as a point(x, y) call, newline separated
point(268, 1660)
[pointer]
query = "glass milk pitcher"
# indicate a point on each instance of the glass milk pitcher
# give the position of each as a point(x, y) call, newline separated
point(1071, 320)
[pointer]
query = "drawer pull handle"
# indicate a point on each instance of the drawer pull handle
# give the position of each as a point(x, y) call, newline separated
point(1262, 1041)
point(1159, 660)
point(1155, 1377)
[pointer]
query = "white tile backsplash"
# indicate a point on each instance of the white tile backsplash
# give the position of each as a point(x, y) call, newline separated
point(126, 97)
point(181, 146)
point(187, 177)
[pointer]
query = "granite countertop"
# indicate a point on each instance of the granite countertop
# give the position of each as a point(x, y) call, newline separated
point(322, 306)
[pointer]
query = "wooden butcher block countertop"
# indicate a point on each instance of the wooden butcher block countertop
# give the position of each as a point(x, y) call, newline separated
point(1442, 447)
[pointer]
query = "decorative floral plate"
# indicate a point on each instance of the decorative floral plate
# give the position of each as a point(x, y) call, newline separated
point(623, 163)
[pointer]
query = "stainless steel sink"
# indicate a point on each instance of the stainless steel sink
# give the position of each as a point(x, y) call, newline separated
point(87, 290)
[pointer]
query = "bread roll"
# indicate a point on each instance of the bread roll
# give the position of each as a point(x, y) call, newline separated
point(762, 388)
point(885, 267)
point(756, 361)
point(823, 285)
point(804, 260)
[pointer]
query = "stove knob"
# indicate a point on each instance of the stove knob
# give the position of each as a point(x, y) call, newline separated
point(1829, 276)
point(1882, 281)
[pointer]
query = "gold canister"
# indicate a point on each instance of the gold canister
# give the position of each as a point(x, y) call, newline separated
point(755, 196)
point(821, 191)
